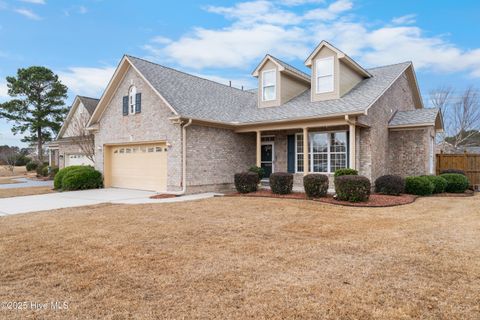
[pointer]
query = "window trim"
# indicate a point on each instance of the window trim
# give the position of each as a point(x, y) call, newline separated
point(132, 102)
point(317, 76)
point(310, 149)
point(274, 85)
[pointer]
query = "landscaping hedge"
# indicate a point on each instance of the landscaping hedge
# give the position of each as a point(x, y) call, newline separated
point(31, 166)
point(456, 183)
point(315, 185)
point(57, 181)
point(246, 182)
point(259, 171)
point(82, 178)
point(345, 172)
point(420, 186)
point(42, 169)
point(281, 182)
point(439, 183)
point(458, 171)
point(390, 184)
point(352, 188)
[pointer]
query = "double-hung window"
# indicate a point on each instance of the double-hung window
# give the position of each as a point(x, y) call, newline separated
point(327, 151)
point(324, 75)
point(269, 82)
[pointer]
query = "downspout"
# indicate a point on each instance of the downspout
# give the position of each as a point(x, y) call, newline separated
point(184, 158)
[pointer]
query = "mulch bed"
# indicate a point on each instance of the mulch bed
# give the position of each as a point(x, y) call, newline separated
point(163, 196)
point(375, 200)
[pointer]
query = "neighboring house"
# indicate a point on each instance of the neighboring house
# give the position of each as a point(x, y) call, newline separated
point(445, 147)
point(74, 145)
point(160, 129)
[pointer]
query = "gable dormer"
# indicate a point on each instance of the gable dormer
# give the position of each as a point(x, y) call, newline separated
point(278, 82)
point(333, 72)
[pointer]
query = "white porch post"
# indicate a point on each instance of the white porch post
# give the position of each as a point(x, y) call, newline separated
point(352, 162)
point(259, 148)
point(305, 152)
point(50, 157)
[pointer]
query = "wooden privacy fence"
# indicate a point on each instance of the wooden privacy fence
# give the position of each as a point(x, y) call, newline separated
point(468, 162)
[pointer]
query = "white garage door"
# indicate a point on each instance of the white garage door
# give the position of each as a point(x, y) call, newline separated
point(141, 167)
point(77, 160)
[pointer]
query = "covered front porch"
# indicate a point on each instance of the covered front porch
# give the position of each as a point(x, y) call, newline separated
point(331, 143)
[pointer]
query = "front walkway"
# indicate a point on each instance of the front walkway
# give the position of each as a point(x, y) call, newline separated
point(26, 183)
point(71, 199)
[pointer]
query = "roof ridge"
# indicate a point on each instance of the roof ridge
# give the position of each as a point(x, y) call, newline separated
point(288, 64)
point(390, 65)
point(186, 73)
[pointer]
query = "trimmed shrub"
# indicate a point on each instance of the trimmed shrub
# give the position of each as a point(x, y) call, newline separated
point(82, 179)
point(42, 170)
point(420, 186)
point(315, 185)
point(53, 172)
point(456, 183)
point(22, 160)
point(458, 171)
point(57, 182)
point(390, 184)
point(246, 182)
point(352, 188)
point(281, 182)
point(31, 166)
point(259, 171)
point(345, 172)
point(439, 183)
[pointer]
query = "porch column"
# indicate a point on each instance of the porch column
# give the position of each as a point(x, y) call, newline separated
point(352, 143)
point(50, 157)
point(259, 149)
point(305, 152)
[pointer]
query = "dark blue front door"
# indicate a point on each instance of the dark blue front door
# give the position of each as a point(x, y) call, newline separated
point(267, 159)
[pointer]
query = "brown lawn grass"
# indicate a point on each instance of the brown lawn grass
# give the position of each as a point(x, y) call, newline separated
point(28, 191)
point(237, 258)
point(8, 181)
point(17, 171)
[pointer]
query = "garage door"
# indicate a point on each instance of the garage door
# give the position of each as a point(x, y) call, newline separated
point(141, 167)
point(77, 160)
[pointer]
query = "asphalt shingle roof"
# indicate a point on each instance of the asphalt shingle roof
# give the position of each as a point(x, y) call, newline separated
point(89, 103)
point(413, 117)
point(291, 68)
point(203, 99)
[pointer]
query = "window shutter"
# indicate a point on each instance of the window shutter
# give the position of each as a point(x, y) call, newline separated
point(125, 105)
point(291, 153)
point(138, 103)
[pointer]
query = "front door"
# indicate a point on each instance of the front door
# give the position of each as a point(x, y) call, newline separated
point(267, 158)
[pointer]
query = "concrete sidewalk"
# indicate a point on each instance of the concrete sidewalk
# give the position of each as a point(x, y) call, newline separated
point(26, 183)
point(52, 201)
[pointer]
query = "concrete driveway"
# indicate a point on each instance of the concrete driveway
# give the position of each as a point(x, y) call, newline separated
point(26, 183)
point(70, 199)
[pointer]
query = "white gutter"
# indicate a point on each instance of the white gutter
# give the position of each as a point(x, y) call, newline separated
point(184, 158)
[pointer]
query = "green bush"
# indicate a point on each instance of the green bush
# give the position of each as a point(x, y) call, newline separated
point(22, 160)
point(53, 172)
point(82, 179)
point(439, 183)
point(246, 182)
point(456, 183)
point(315, 185)
point(57, 182)
point(42, 169)
point(259, 171)
point(390, 184)
point(345, 172)
point(420, 186)
point(281, 182)
point(31, 166)
point(452, 171)
point(352, 188)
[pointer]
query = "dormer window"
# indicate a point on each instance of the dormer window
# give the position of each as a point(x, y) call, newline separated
point(324, 75)
point(132, 92)
point(269, 82)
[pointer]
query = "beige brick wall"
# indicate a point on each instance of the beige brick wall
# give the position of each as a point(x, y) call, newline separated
point(214, 155)
point(374, 141)
point(150, 125)
point(410, 152)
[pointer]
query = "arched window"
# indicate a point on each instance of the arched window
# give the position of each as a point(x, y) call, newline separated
point(131, 99)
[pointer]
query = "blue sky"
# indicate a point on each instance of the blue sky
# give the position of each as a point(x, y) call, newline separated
point(83, 41)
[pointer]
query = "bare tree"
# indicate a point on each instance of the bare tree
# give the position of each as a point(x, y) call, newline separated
point(9, 156)
point(82, 137)
point(461, 115)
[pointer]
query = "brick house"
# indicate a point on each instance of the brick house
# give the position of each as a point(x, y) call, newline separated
point(160, 129)
point(74, 145)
